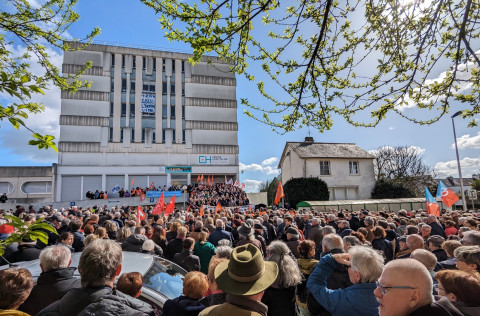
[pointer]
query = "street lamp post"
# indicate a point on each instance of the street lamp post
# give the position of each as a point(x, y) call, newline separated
point(458, 161)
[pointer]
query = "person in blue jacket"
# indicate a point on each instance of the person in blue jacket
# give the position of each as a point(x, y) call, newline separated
point(365, 267)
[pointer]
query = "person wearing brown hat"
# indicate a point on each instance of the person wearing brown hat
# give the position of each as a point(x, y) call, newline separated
point(244, 278)
point(247, 236)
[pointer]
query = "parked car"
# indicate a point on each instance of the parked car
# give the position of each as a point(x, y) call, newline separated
point(162, 279)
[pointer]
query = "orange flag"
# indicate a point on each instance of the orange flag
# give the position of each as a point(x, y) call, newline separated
point(250, 207)
point(198, 178)
point(133, 181)
point(261, 213)
point(159, 207)
point(279, 194)
point(170, 206)
point(292, 213)
point(201, 179)
point(140, 214)
point(218, 208)
point(201, 210)
point(188, 209)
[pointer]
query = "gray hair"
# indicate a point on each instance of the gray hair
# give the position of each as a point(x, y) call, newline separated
point(139, 230)
point(55, 257)
point(472, 237)
point(366, 261)
point(332, 241)
point(99, 262)
point(369, 220)
point(224, 252)
point(288, 272)
point(224, 242)
point(328, 230)
point(148, 245)
point(219, 223)
point(352, 241)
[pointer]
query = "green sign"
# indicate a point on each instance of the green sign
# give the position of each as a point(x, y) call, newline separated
point(178, 169)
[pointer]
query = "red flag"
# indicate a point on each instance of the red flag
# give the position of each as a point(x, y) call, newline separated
point(292, 213)
point(448, 196)
point(250, 207)
point(152, 186)
point(218, 208)
point(170, 206)
point(159, 207)
point(201, 210)
point(142, 196)
point(188, 209)
point(198, 178)
point(133, 181)
point(279, 194)
point(201, 179)
point(140, 214)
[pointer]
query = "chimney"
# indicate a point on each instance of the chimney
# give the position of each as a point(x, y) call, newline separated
point(308, 139)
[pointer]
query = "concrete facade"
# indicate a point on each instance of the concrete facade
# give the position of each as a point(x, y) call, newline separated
point(350, 173)
point(28, 184)
point(145, 113)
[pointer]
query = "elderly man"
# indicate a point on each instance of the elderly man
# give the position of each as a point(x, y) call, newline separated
point(134, 242)
point(99, 266)
point(339, 278)
point(437, 229)
point(365, 267)
point(315, 233)
point(426, 232)
point(55, 280)
point(219, 233)
point(405, 288)
point(414, 242)
point(471, 238)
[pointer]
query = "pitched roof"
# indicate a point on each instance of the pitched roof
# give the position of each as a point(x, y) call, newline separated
point(326, 150)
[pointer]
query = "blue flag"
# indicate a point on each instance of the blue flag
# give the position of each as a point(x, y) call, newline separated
point(116, 188)
point(432, 205)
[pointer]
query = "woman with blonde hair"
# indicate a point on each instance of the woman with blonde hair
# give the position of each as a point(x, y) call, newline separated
point(172, 233)
point(280, 296)
point(111, 228)
point(195, 286)
point(123, 233)
point(204, 250)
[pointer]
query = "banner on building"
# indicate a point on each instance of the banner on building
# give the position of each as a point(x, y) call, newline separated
point(213, 160)
point(148, 103)
point(157, 194)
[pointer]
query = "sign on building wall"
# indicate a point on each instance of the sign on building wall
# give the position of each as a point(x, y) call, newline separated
point(148, 103)
point(213, 160)
point(178, 169)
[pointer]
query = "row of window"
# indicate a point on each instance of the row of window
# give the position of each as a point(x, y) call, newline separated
point(29, 187)
point(147, 87)
point(145, 63)
point(132, 134)
point(325, 168)
point(132, 111)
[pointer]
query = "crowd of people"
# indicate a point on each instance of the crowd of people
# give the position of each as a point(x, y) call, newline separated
point(227, 195)
point(262, 262)
point(138, 191)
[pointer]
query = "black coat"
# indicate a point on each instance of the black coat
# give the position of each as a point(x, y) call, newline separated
point(187, 260)
point(25, 252)
point(50, 287)
point(280, 301)
point(173, 247)
point(78, 238)
point(385, 246)
point(437, 230)
point(182, 306)
point(134, 243)
point(271, 232)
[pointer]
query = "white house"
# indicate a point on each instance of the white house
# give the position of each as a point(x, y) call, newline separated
point(346, 168)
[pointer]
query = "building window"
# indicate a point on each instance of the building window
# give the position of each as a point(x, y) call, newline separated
point(124, 85)
point(173, 66)
point(183, 112)
point(152, 88)
point(172, 89)
point(183, 91)
point(110, 134)
point(132, 86)
point(163, 65)
point(144, 63)
point(143, 135)
point(183, 66)
point(183, 136)
point(37, 187)
point(132, 110)
point(121, 135)
point(124, 109)
point(324, 168)
point(173, 136)
point(163, 136)
point(123, 61)
point(112, 86)
point(153, 135)
point(134, 62)
point(353, 167)
point(111, 108)
point(164, 111)
point(154, 64)
point(164, 88)
point(133, 135)
point(172, 111)
point(113, 60)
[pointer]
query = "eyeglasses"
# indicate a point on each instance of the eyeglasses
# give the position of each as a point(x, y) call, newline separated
point(383, 288)
point(437, 287)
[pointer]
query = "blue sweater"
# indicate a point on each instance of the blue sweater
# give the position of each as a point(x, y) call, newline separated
point(357, 299)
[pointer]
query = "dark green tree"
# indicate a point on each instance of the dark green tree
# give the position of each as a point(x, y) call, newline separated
point(305, 189)
point(39, 26)
point(476, 185)
point(271, 188)
point(389, 189)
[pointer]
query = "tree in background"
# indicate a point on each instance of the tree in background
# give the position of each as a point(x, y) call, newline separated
point(476, 185)
point(361, 60)
point(305, 189)
point(271, 188)
point(39, 26)
point(401, 168)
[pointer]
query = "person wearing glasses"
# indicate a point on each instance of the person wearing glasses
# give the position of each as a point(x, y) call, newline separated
point(405, 289)
point(461, 288)
point(365, 266)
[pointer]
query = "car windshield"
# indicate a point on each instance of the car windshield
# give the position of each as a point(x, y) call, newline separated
point(165, 278)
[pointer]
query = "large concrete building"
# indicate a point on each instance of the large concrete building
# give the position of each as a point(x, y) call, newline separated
point(346, 168)
point(149, 116)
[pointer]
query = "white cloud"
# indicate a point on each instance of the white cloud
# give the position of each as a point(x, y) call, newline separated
point(463, 83)
point(269, 161)
point(391, 128)
point(252, 186)
point(465, 141)
point(265, 167)
point(46, 122)
point(449, 168)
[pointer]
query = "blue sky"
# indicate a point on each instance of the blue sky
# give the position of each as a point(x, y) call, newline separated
point(128, 22)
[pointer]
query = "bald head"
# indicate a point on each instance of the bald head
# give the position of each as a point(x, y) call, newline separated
point(414, 242)
point(412, 273)
point(425, 257)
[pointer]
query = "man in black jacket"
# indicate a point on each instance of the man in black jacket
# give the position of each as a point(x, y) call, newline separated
point(186, 259)
point(99, 266)
point(55, 280)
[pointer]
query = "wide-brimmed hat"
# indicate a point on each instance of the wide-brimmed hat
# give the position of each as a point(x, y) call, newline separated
point(246, 230)
point(246, 273)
